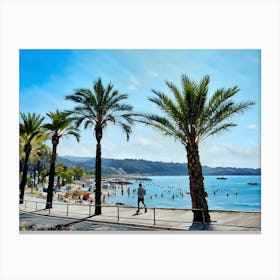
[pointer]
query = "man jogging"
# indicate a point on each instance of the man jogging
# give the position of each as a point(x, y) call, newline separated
point(141, 193)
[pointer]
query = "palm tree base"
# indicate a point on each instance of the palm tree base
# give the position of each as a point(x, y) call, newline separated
point(21, 196)
point(97, 210)
point(48, 206)
point(198, 217)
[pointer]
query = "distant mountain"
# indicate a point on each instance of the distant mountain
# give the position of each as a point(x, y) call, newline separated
point(77, 159)
point(144, 167)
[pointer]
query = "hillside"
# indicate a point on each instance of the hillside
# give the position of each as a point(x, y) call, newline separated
point(144, 167)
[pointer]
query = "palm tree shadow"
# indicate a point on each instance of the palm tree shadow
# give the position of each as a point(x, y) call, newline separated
point(79, 221)
point(199, 226)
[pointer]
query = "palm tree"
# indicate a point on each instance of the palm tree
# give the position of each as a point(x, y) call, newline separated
point(190, 118)
point(59, 172)
point(59, 127)
point(44, 161)
point(38, 149)
point(78, 172)
point(30, 128)
point(97, 109)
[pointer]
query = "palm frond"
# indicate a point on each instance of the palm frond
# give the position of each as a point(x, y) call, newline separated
point(126, 128)
point(189, 91)
point(99, 91)
point(189, 116)
point(118, 107)
point(61, 124)
point(202, 91)
point(88, 123)
point(176, 112)
point(178, 97)
point(100, 107)
point(31, 124)
point(164, 124)
point(107, 92)
point(112, 102)
point(220, 108)
point(216, 130)
point(108, 118)
point(75, 133)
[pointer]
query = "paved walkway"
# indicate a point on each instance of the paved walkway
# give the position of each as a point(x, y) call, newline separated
point(36, 222)
point(162, 219)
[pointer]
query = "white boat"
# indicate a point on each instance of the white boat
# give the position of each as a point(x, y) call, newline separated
point(252, 183)
point(221, 178)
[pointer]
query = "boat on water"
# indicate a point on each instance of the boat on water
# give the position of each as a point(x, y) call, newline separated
point(252, 183)
point(221, 178)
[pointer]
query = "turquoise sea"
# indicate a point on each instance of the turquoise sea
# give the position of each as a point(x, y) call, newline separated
point(234, 193)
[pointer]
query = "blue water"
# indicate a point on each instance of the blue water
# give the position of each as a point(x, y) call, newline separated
point(171, 191)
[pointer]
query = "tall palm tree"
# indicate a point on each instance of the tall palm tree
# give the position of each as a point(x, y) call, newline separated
point(97, 109)
point(60, 126)
point(190, 117)
point(29, 129)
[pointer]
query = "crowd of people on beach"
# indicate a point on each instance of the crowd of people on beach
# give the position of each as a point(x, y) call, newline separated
point(128, 193)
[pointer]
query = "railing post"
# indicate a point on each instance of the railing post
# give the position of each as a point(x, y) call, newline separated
point(118, 213)
point(67, 209)
point(49, 208)
point(154, 216)
point(203, 218)
point(25, 204)
point(89, 211)
point(36, 206)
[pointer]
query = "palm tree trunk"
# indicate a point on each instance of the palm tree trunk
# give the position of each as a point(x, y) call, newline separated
point(58, 181)
point(51, 178)
point(98, 179)
point(198, 194)
point(27, 150)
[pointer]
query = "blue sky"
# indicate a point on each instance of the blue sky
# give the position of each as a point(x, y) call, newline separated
point(46, 76)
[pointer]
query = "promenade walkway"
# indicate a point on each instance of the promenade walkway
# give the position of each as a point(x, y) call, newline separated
point(36, 222)
point(155, 218)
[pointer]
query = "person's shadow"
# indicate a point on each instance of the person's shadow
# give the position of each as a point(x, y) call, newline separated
point(137, 213)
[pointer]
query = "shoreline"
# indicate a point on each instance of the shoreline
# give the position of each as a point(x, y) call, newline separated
point(32, 198)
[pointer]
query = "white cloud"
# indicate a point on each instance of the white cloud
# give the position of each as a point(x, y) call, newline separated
point(134, 80)
point(235, 150)
point(253, 127)
point(152, 73)
point(228, 154)
point(134, 83)
point(132, 87)
point(77, 149)
point(148, 143)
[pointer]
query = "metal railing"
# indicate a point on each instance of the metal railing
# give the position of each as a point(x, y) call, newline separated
point(65, 210)
point(84, 211)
